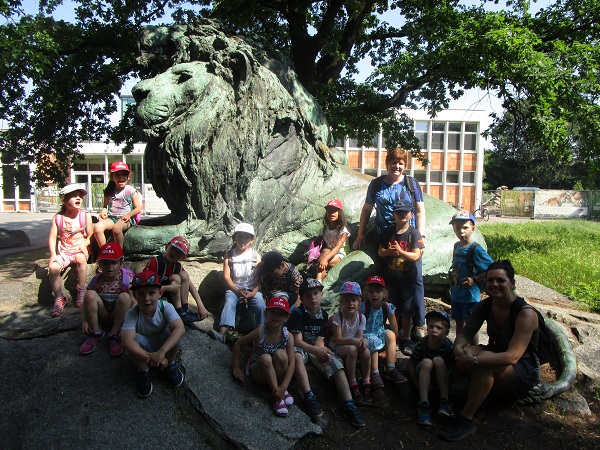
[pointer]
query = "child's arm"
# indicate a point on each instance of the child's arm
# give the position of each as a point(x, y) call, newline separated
point(324, 259)
point(337, 336)
point(237, 372)
point(157, 358)
point(289, 371)
point(202, 312)
point(136, 352)
point(228, 281)
point(104, 211)
point(318, 349)
point(256, 287)
point(137, 208)
point(89, 231)
point(393, 324)
point(52, 237)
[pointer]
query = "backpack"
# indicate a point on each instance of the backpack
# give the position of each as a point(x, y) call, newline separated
point(329, 326)
point(161, 266)
point(253, 258)
point(454, 271)
point(409, 183)
point(545, 348)
point(82, 215)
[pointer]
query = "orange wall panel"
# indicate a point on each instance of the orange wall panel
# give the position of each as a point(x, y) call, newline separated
point(453, 161)
point(436, 161)
point(354, 159)
point(470, 161)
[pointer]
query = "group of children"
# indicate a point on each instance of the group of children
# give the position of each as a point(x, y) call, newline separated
point(289, 326)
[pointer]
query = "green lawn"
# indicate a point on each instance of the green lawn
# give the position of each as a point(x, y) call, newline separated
point(563, 255)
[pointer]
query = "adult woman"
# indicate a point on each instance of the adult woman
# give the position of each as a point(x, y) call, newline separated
point(383, 193)
point(509, 362)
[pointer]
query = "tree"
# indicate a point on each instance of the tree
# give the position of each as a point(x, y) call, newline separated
point(59, 79)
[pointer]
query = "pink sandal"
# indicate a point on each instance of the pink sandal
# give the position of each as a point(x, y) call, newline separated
point(80, 295)
point(59, 305)
point(279, 408)
point(288, 399)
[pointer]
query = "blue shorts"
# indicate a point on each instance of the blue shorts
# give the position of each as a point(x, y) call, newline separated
point(114, 219)
point(402, 293)
point(462, 311)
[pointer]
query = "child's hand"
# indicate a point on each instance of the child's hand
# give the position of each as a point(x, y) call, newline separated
point(243, 295)
point(103, 214)
point(155, 359)
point(84, 249)
point(85, 327)
point(322, 262)
point(278, 392)
point(202, 313)
point(238, 374)
point(322, 355)
point(395, 247)
point(126, 218)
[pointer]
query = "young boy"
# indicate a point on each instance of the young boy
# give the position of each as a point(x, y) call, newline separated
point(308, 323)
point(106, 301)
point(431, 361)
point(378, 312)
point(175, 281)
point(279, 275)
point(151, 333)
point(403, 246)
point(469, 265)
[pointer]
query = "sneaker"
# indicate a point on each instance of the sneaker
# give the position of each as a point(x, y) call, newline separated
point(407, 347)
point(460, 428)
point(279, 408)
point(89, 345)
point(188, 317)
point(144, 384)
point(445, 408)
point(355, 391)
point(114, 345)
point(288, 399)
point(394, 375)
point(312, 407)
point(376, 381)
point(175, 375)
point(217, 336)
point(59, 305)
point(417, 333)
point(423, 417)
point(367, 392)
point(80, 295)
point(355, 416)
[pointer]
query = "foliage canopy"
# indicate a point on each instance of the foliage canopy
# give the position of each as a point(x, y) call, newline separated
point(59, 79)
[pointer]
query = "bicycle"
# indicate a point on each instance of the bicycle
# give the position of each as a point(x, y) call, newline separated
point(484, 213)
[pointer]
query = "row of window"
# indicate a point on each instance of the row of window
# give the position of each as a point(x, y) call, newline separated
point(436, 176)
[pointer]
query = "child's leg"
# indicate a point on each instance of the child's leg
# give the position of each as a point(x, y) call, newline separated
point(185, 289)
point(390, 348)
point(171, 355)
point(280, 363)
point(257, 306)
point(365, 362)
point(374, 361)
point(322, 272)
point(122, 305)
point(81, 265)
point(118, 229)
point(349, 353)
point(264, 372)
point(340, 379)
point(424, 367)
point(94, 312)
point(300, 374)
point(333, 261)
point(441, 374)
point(99, 229)
point(54, 271)
point(176, 294)
point(229, 311)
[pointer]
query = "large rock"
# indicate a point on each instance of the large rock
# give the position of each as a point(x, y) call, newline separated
point(13, 238)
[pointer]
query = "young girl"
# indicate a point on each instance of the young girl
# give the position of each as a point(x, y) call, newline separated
point(243, 282)
point(378, 312)
point(68, 242)
point(121, 204)
point(348, 326)
point(272, 361)
point(335, 232)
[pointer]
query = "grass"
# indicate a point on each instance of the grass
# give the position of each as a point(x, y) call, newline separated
point(562, 255)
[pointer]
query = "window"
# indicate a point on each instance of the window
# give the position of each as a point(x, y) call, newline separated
point(422, 126)
point(469, 177)
point(8, 181)
point(352, 142)
point(435, 176)
point(420, 176)
point(471, 127)
point(452, 176)
point(470, 142)
point(437, 141)
point(454, 127)
point(126, 101)
point(453, 141)
point(339, 143)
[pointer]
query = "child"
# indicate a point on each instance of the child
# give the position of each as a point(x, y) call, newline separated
point(121, 205)
point(68, 243)
point(308, 325)
point(378, 312)
point(151, 333)
point(469, 264)
point(243, 282)
point(335, 233)
point(272, 360)
point(279, 275)
point(175, 281)
point(348, 326)
point(403, 246)
point(107, 300)
point(431, 361)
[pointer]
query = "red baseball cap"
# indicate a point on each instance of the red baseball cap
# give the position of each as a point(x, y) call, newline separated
point(375, 280)
point(145, 278)
point(278, 302)
point(181, 244)
point(110, 251)
point(334, 204)
point(117, 166)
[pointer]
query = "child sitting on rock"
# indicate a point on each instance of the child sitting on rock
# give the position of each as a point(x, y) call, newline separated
point(175, 281)
point(68, 242)
point(279, 275)
point(107, 300)
point(151, 333)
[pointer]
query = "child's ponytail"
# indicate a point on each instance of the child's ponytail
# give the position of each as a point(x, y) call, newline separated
point(110, 188)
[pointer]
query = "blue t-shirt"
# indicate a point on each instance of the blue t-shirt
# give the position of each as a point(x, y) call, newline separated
point(481, 261)
point(384, 196)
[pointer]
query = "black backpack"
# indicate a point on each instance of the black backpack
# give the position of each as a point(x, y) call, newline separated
point(454, 270)
point(545, 349)
point(409, 183)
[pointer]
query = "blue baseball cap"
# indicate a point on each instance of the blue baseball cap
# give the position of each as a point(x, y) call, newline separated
point(462, 215)
point(403, 205)
point(440, 315)
point(350, 287)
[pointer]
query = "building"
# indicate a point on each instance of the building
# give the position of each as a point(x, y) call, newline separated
point(454, 147)
point(452, 143)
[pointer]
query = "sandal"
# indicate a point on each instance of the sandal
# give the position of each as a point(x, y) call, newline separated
point(59, 305)
point(279, 408)
point(288, 399)
point(80, 295)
